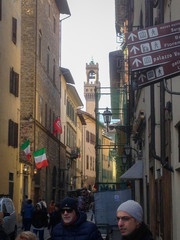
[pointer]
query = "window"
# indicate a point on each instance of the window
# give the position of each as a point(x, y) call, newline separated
point(65, 97)
point(54, 25)
point(0, 10)
point(64, 134)
point(87, 136)
point(49, 10)
point(14, 30)
point(14, 82)
point(50, 120)
point(92, 138)
point(91, 164)
point(87, 162)
point(54, 71)
point(40, 44)
point(71, 137)
point(48, 56)
point(41, 110)
point(11, 185)
point(13, 134)
point(46, 115)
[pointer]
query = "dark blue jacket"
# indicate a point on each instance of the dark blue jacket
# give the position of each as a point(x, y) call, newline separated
point(81, 229)
point(28, 211)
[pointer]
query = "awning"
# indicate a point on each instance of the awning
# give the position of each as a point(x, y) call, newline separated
point(134, 172)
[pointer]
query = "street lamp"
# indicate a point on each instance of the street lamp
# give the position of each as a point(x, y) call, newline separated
point(124, 160)
point(127, 149)
point(107, 117)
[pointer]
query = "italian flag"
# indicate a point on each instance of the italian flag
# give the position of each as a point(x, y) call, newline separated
point(40, 158)
point(26, 148)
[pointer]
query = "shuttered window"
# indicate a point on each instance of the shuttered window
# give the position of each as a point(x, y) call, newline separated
point(13, 134)
point(14, 82)
point(14, 30)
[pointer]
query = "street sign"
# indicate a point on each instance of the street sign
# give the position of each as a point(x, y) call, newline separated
point(153, 32)
point(154, 58)
point(157, 45)
point(147, 77)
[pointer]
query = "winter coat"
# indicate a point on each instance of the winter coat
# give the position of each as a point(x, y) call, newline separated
point(81, 229)
point(28, 211)
point(55, 218)
point(39, 219)
point(3, 235)
point(141, 233)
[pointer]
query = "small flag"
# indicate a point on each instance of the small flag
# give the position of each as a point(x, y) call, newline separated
point(40, 158)
point(26, 148)
point(57, 126)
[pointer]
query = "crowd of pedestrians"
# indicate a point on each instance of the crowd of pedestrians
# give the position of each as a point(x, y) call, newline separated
point(66, 220)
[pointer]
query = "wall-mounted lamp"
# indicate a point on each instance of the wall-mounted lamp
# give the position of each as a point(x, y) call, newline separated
point(127, 149)
point(107, 115)
point(25, 170)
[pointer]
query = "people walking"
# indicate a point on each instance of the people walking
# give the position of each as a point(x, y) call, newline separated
point(27, 215)
point(92, 210)
point(39, 221)
point(24, 202)
point(55, 217)
point(74, 224)
point(130, 222)
point(51, 207)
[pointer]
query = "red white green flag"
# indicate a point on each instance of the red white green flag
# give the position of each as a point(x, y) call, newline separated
point(40, 158)
point(26, 148)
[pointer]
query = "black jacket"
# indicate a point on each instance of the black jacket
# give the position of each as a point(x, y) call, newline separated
point(142, 233)
point(81, 229)
point(39, 219)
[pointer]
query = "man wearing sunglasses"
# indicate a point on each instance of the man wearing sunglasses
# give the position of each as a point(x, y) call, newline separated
point(130, 222)
point(74, 224)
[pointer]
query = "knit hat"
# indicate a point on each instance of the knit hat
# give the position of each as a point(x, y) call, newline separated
point(133, 208)
point(69, 202)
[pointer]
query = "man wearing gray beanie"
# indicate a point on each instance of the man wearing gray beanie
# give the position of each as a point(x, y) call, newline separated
point(130, 222)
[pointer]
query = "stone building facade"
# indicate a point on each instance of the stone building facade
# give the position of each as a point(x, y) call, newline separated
point(31, 97)
point(40, 93)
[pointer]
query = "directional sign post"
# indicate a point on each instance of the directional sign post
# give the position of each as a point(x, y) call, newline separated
point(147, 77)
point(153, 32)
point(156, 45)
point(154, 58)
point(155, 52)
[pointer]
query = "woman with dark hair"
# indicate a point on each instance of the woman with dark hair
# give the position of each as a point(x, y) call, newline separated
point(39, 220)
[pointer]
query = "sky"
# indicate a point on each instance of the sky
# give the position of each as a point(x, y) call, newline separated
point(89, 33)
